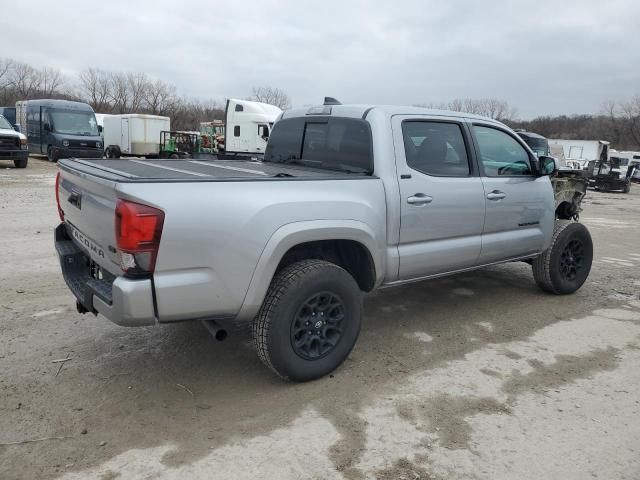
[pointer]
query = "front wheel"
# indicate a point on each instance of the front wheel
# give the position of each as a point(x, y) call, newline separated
point(22, 163)
point(565, 265)
point(309, 320)
point(52, 154)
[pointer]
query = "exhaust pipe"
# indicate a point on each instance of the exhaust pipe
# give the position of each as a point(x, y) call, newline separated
point(215, 329)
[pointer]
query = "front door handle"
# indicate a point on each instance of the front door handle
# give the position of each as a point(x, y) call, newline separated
point(496, 195)
point(419, 199)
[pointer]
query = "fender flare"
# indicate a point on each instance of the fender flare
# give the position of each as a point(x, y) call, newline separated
point(292, 234)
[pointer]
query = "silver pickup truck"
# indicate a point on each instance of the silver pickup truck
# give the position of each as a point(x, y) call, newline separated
point(346, 200)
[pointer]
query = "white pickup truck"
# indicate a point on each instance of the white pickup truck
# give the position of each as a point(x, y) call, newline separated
point(346, 200)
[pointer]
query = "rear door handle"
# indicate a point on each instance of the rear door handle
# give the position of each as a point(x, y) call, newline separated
point(419, 199)
point(496, 195)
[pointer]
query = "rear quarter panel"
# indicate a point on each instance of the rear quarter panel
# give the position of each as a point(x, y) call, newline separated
point(215, 234)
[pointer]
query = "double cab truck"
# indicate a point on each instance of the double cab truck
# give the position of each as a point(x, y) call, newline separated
point(347, 199)
point(60, 129)
point(13, 145)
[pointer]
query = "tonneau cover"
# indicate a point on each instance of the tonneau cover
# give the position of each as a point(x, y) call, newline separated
point(193, 170)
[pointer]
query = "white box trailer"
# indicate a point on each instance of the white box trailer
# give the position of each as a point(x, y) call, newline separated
point(133, 134)
point(582, 151)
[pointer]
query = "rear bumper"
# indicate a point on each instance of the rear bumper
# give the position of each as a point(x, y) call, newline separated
point(124, 301)
point(14, 154)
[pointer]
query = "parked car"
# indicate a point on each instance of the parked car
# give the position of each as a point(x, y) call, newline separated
point(348, 199)
point(13, 145)
point(60, 129)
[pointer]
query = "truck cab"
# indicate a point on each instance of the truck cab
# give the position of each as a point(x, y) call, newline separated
point(248, 125)
point(13, 145)
point(60, 128)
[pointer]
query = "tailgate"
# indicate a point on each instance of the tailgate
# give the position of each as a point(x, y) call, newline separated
point(89, 206)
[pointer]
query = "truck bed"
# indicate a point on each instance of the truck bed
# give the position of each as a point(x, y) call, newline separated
point(193, 170)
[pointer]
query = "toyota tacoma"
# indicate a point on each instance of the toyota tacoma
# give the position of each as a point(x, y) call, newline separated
point(347, 199)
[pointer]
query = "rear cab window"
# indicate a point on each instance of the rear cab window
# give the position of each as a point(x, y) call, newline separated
point(335, 143)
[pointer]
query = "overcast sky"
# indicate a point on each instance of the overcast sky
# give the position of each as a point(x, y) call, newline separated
point(544, 56)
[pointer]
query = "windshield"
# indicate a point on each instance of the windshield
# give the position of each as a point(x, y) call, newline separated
point(4, 123)
point(74, 122)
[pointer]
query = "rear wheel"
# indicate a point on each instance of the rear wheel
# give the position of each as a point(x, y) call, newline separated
point(565, 265)
point(22, 163)
point(309, 320)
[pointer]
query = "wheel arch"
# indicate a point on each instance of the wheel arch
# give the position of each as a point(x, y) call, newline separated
point(348, 243)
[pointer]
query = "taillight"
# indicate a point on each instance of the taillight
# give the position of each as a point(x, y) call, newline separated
point(138, 231)
point(60, 211)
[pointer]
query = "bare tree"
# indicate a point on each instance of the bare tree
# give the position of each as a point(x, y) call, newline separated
point(51, 81)
point(25, 79)
point(487, 107)
point(631, 112)
point(272, 96)
point(95, 86)
point(5, 67)
point(119, 91)
point(160, 97)
point(137, 84)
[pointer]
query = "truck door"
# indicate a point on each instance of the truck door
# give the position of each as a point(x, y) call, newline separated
point(441, 195)
point(42, 129)
point(124, 135)
point(520, 206)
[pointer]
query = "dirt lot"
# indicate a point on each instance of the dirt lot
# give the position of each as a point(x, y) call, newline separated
point(476, 376)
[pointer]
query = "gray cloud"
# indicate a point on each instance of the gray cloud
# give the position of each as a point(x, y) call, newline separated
point(543, 57)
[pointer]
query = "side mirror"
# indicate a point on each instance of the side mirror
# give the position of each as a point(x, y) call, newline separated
point(46, 127)
point(546, 165)
point(16, 127)
point(99, 128)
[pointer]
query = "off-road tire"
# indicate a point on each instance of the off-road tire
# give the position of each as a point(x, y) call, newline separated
point(22, 163)
point(288, 292)
point(547, 266)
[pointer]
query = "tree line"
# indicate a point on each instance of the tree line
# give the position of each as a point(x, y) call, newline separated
point(131, 92)
point(617, 122)
point(118, 92)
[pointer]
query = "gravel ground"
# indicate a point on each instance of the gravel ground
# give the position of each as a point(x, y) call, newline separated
point(476, 376)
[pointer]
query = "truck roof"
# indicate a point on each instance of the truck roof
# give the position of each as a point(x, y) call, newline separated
point(134, 115)
point(68, 104)
point(361, 111)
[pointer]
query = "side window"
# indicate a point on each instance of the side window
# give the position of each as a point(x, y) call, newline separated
point(236, 131)
point(239, 108)
point(500, 153)
point(435, 148)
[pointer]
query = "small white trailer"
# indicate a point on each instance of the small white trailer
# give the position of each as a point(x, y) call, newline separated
point(133, 134)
